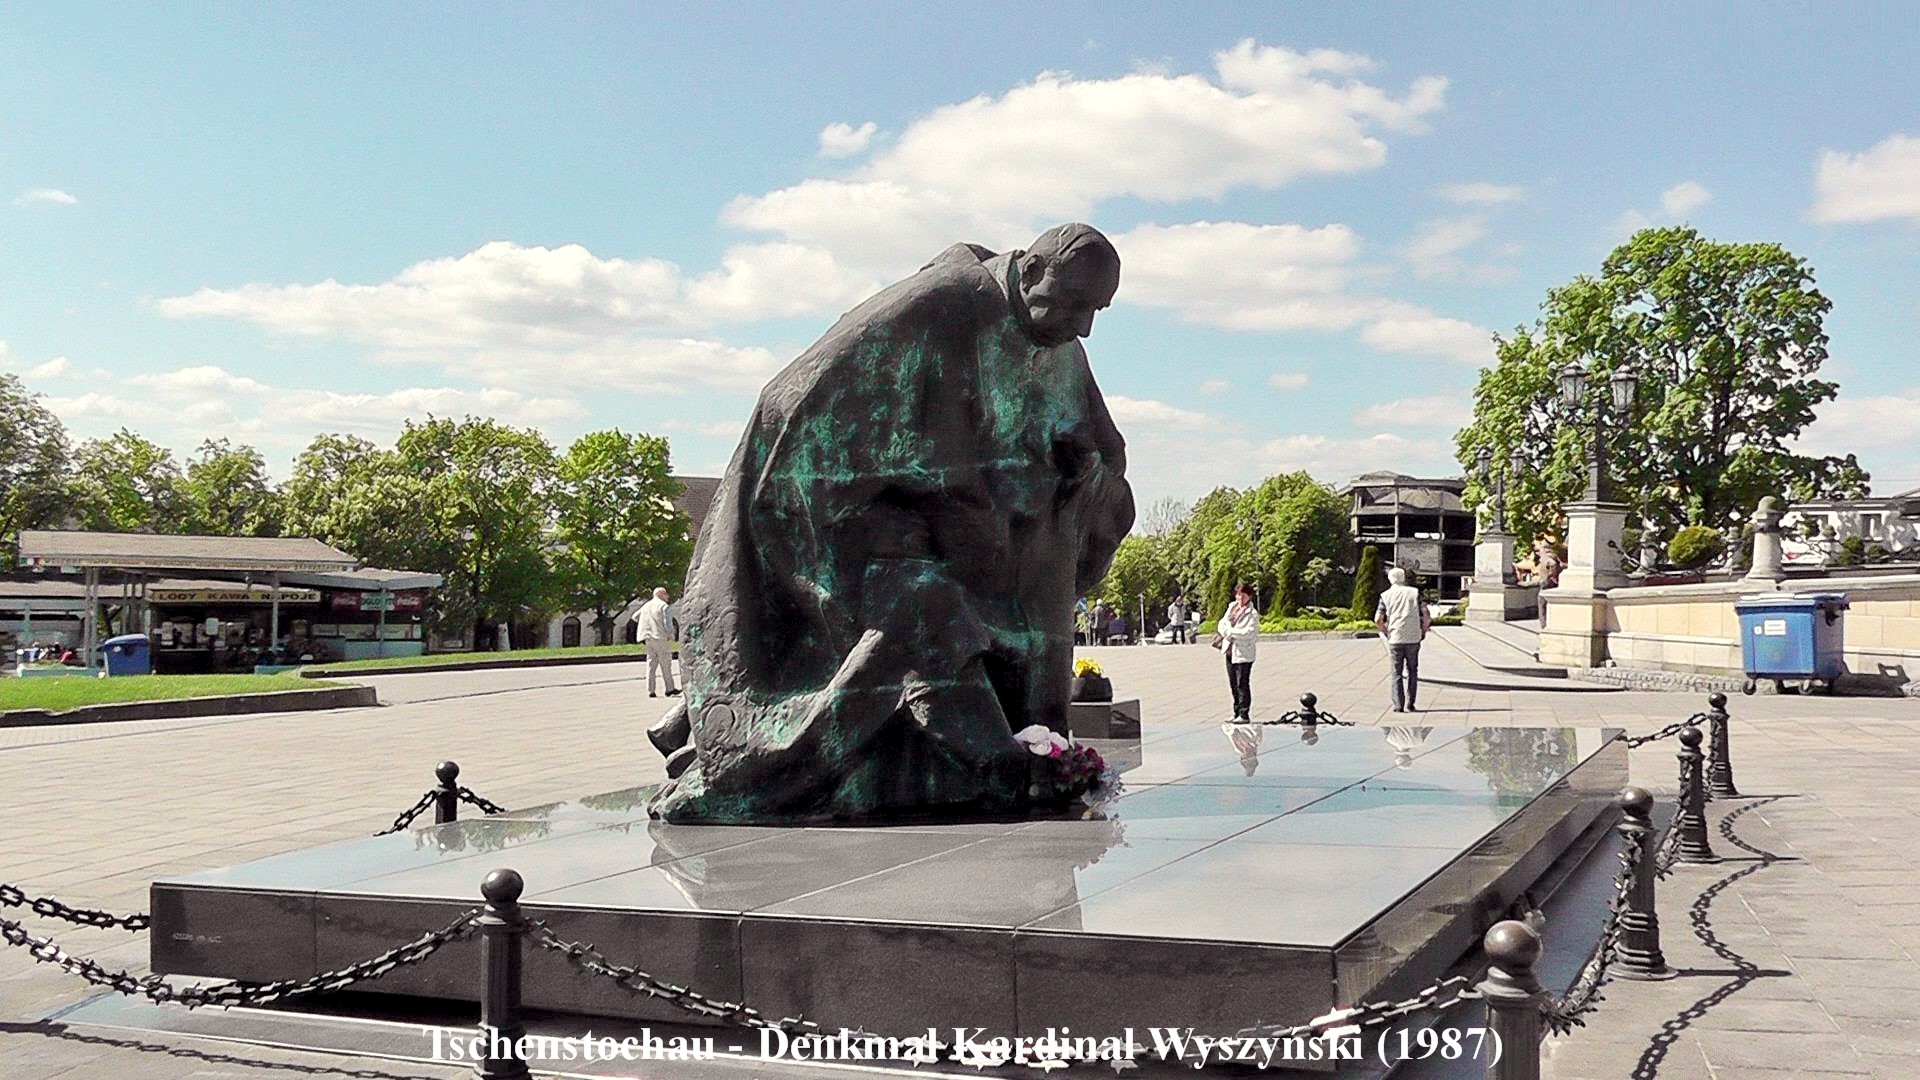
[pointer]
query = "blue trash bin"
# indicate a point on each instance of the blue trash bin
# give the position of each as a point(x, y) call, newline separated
point(128, 654)
point(1792, 636)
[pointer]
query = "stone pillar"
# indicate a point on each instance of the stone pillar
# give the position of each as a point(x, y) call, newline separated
point(1578, 615)
point(1495, 595)
point(1769, 560)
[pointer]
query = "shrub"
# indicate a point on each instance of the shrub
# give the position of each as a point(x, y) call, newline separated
point(1693, 547)
point(1369, 581)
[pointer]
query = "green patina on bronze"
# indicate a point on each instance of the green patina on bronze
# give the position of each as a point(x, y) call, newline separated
point(883, 590)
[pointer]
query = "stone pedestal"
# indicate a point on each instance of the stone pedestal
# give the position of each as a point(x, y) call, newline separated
point(1578, 614)
point(1769, 556)
point(1593, 546)
point(1104, 719)
point(1494, 595)
point(1575, 634)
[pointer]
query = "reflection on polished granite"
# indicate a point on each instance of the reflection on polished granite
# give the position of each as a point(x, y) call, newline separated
point(1308, 867)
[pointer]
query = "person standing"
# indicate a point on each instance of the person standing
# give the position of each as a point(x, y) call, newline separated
point(1177, 616)
point(659, 628)
point(1403, 620)
point(1239, 638)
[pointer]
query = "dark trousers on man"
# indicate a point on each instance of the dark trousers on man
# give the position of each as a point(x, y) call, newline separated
point(1405, 658)
point(1240, 680)
point(1180, 633)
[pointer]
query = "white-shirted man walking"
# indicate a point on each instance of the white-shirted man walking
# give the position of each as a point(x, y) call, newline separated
point(659, 628)
point(1403, 621)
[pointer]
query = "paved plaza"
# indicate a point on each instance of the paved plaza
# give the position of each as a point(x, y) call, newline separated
point(1799, 955)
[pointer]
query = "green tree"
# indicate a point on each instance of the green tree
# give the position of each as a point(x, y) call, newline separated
point(229, 491)
point(1369, 581)
point(614, 516)
point(33, 465)
point(1726, 340)
point(486, 496)
point(350, 493)
point(1286, 587)
point(1139, 576)
point(125, 483)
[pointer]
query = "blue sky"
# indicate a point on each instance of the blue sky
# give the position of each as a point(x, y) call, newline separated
point(267, 222)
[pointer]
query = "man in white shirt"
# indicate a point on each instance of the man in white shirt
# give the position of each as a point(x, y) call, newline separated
point(659, 628)
point(1403, 621)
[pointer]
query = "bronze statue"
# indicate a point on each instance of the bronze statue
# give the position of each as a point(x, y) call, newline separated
point(883, 591)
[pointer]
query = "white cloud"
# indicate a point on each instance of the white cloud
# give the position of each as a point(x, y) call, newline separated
point(57, 368)
point(1215, 388)
point(1481, 193)
point(538, 317)
point(1288, 380)
point(1880, 184)
point(1404, 328)
point(1435, 248)
point(1684, 198)
point(1437, 411)
point(730, 429)
point(991, 168)
point(1145, 412)
point(1283, 277)
point(1241, 276)
point(183, 406)
point(838, 140)
point(45, 195)
point(1676, 202)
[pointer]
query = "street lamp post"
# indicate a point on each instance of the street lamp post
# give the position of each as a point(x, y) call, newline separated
point(1496, 484)
point(1621, 390)
point(1578, 618)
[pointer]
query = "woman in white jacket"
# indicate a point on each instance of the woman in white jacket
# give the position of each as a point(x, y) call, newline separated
point(1239, 637)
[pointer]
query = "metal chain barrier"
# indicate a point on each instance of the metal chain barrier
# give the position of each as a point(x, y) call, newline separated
point(467, 796)
point(1570, 1010)
point(1669, 849)
point(1667, 732)
point(1439, 997)
point(587, 958)
point(1295, 716)
point(13, 896)
point(225, 995)
point(406, 816)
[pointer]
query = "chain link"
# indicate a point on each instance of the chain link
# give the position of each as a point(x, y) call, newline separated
point(590, 959)
point(1667, 732)
point(406, 816)
point(225, 995)
point(1439, 997)
point(467, 796)
point(1297, 717)
point(13, 896)
point(1565, 1013)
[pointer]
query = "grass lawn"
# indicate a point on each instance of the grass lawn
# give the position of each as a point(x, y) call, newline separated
point(58, 695)
point(518, 656)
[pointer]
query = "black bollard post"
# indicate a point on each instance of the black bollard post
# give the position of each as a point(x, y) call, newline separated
point(446, 793)
point(1719, 754)
point(1309, 710)
point(1638, 955)
point(501, 928)
point(1692, 822)
point(1513, 995)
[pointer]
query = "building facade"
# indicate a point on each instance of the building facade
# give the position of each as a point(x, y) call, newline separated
point(1417, 523)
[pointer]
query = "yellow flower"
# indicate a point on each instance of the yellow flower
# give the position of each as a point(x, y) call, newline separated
point(1084, 668)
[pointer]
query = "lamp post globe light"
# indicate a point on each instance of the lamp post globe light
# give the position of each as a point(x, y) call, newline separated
point(1621, 388)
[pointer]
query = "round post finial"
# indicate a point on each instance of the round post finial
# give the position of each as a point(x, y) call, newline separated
point(1308, 701)
point(1690, 737)
point(448, 772)
point(1512, 945)
point(1636, 802)
point(1717, 701)
point(502, 887)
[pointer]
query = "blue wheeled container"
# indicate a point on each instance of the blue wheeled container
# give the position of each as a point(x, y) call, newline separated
point(128, 654)
point(1792, 636)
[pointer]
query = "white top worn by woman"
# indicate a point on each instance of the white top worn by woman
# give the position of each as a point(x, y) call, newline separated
point(1240, 626)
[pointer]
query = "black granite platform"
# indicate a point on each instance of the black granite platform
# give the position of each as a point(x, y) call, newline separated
point(1244, 877)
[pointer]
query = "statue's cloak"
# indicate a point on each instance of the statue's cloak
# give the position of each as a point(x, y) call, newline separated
point(883, 590)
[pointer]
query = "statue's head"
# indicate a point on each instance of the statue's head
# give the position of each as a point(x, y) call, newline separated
point(1067, 277)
